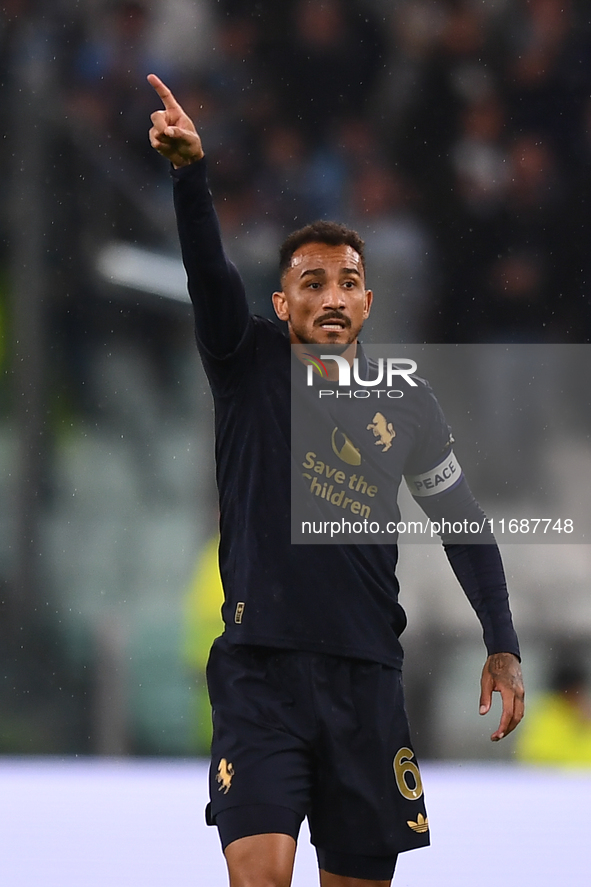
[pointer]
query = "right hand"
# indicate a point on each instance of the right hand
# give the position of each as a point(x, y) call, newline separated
point(173, 133)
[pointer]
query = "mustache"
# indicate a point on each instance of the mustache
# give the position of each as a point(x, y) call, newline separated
point(333, 315)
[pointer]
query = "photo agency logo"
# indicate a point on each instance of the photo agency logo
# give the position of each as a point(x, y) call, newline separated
point(351, 453)
point(378, 377)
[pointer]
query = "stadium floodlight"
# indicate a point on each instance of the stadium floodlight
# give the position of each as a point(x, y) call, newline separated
point(124, 264)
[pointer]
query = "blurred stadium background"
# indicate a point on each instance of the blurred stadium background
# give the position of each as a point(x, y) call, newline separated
point(455, 135)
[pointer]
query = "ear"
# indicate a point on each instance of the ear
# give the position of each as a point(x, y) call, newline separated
point(368, 301)
point(280, 306)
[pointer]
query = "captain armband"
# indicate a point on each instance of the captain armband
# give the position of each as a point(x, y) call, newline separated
point(437, 480)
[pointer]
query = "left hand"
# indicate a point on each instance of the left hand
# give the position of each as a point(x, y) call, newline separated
point(502, 673)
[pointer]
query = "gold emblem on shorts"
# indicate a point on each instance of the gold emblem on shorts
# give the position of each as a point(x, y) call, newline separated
point(239, 612)
point(420, 826)
point(224, 777)
point(383, 430)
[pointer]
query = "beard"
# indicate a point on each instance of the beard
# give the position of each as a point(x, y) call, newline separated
point(306, 338)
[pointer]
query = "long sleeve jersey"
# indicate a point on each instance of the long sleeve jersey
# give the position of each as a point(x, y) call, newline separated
point(337, 599)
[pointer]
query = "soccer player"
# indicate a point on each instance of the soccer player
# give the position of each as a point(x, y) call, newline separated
point(305, 682)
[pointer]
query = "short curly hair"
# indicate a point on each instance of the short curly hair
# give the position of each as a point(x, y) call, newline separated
point(330, 233)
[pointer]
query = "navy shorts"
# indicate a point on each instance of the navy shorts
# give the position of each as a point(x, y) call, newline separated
point(301, 734)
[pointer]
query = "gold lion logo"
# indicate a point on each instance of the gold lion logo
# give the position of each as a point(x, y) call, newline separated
point(384, 431)
point(420, 826)
point(224, 776)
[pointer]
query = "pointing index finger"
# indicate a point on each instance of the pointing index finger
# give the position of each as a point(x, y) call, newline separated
point(168, 100)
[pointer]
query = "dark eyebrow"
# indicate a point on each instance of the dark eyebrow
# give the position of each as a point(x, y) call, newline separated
point(315, 271)
point(319, 271)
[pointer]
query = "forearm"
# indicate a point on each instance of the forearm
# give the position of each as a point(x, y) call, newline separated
point(479, 570)
point(476, 562)
point(215, 287)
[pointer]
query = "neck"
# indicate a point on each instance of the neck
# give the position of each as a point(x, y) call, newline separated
point(303, 352)
point(348, 353)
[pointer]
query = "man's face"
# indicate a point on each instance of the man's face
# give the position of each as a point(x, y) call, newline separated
point(324, 299)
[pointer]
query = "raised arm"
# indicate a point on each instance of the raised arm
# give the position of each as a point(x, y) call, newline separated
point(215, 287)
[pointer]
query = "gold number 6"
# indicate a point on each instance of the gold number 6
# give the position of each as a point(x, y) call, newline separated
point(403, 765)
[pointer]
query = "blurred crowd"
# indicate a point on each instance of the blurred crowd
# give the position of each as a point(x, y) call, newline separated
point(453, 134)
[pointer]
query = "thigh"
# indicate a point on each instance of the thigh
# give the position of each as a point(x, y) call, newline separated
point(261, 859)
point(368, 795)
point(260, 749)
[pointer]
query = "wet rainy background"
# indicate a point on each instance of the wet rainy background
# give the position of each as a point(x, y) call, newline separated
point(454, 135)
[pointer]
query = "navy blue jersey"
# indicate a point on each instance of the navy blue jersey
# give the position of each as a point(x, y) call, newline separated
point(351, 453)
point(336, 599)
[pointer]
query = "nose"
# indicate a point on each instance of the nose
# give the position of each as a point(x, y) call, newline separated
point(333, 297)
